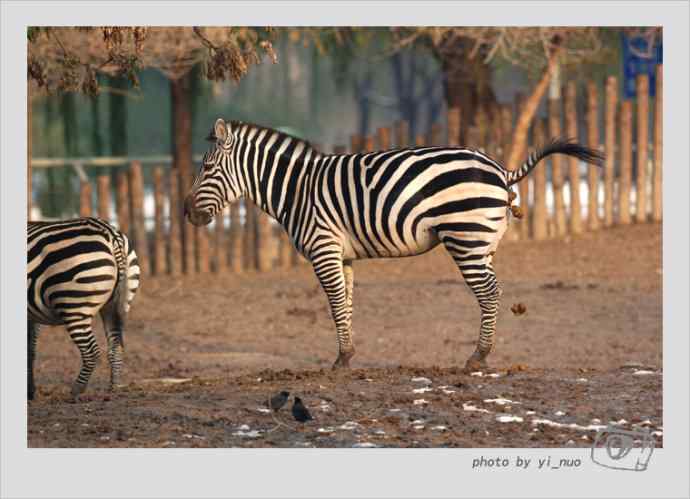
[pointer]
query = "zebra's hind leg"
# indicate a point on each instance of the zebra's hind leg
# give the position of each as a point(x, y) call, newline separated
point(331, 273)
point(113, 315)
point(82, 336)
point(478, 273)
point(32, 329)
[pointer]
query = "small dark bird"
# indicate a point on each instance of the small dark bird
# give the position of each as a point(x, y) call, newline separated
point(299, 412)
point(278, 401)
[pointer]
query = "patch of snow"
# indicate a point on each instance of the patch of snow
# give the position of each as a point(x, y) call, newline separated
point(418, 421)
point(325, 406)
point(571, 426)
point(570, 442)
point(500, 401)
point(581, 380)
point(493, 375)
point(479, 374)
point(439, 427)
point(596, 421)
point(105, 438)
point(422, 380)
point(244, 427)
point(264, 410)
point(642, 372)
point(619, 422)
point(509, 418)
point(420, 402)
point(448, 392)
point(470, 407)
point(418, 427)
point(328, 429)
point(559, 413)
point(379, 432)
point(529, 413)
point(247, 434)
point(349, 425)
point(394, 410)
point(422, 390)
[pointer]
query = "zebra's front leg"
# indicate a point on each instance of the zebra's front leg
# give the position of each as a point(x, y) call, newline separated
point(82, 335)
point(332, 272)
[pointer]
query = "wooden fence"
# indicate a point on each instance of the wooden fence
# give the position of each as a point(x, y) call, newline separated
point(245, 239)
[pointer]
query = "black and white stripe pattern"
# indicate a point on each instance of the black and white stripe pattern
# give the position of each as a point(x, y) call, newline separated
point(76, 269)
point(340, 208)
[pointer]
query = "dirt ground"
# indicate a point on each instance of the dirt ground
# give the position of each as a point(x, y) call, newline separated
point(203, 354)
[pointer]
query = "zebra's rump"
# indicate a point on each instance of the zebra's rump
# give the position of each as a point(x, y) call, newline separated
point(72, 268)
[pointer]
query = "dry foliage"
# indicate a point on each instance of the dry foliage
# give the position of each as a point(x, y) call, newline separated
point(68, 59)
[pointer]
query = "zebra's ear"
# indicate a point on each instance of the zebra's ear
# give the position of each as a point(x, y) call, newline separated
point(220, 130)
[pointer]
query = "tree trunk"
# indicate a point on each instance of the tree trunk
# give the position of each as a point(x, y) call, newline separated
point(529, 109)
point(466, 84)
point(182, 159)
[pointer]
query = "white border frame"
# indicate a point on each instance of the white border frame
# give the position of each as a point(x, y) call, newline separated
point(339, 472)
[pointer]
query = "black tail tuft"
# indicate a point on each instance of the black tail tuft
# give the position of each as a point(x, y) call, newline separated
point(571, 148)
point(557, 146)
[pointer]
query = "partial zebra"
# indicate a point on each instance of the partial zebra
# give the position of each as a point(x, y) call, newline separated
point(76, 269)
point(340, 208)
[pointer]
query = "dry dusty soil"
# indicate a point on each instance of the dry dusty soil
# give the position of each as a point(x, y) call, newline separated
point(203, 354)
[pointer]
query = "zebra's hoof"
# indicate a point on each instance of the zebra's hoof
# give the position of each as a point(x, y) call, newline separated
point(343, 360)
point(77, 390)
point(475, 363)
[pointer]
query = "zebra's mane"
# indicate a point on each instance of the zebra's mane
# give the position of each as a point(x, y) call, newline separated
point(260, 128)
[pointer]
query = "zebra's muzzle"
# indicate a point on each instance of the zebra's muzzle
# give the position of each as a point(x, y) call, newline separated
point(194, 216)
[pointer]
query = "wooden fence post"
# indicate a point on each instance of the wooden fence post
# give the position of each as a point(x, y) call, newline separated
point(219, 247)
point(560, 226)
point(85, 199)
point(103, 193)
point(539, 215)
point(159, 223)
point(625, 176)
point(611, 106)
point(136, 190)
point(420, 140)
point(264, 241)
point(574, 170)
point(506, 126)
point(642, 94)
point(657, 187)
point(368, 145)
point(524, 186)
point(249, 245)
point(435, 135)
point(204, 260)
point(384, 138)
point(453, 124)
point(176, 219)
point(122, 201)
point(356, 143)
point(236, 239)
point(593, 141)
point(402, 134)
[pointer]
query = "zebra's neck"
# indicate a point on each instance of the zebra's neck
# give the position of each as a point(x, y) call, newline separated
point(274, 169)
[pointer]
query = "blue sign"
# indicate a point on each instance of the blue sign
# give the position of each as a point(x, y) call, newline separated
point(639, 58)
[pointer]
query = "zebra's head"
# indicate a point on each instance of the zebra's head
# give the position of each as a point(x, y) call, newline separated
point(216, 184)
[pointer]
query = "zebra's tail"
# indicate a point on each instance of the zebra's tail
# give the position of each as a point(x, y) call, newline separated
point(562, 146)
point(121, 294)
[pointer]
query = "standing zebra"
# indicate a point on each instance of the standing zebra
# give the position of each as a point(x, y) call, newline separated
point(339, 208)
point(76, 269)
